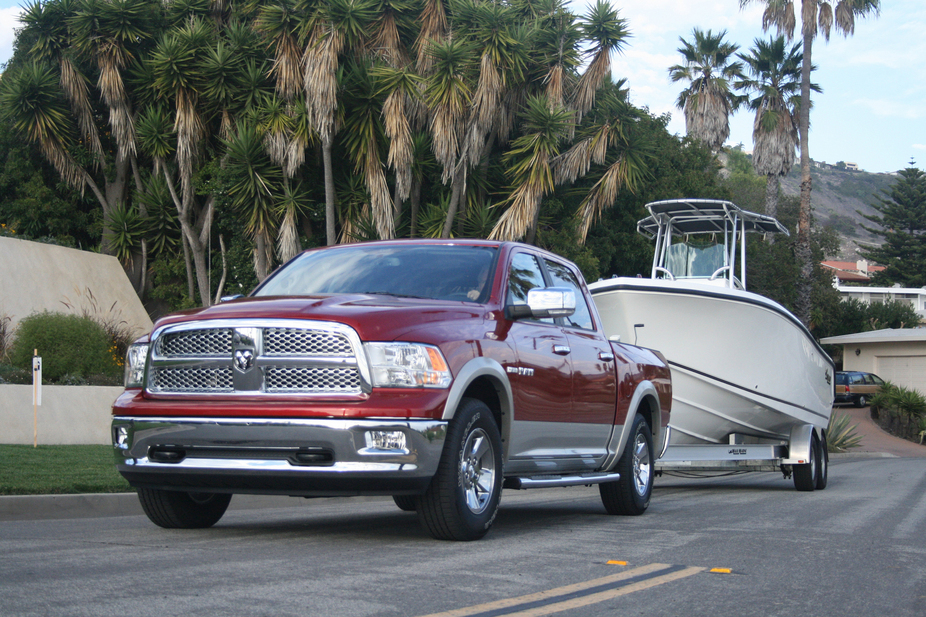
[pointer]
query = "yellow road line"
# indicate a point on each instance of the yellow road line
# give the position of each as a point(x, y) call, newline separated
point(594, 598)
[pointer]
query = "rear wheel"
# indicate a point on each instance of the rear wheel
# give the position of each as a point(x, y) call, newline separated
point(462, 500)
point(823, 466)
point(181, 510)
point(406, 503)
point(631, 494)
point(805, 476)
point(861, 401)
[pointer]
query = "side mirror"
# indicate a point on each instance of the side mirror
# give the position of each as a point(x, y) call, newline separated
point(546, 302)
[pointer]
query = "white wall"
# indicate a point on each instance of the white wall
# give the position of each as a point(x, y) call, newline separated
point(69, 415)
point(36, 277)
point(898, 362)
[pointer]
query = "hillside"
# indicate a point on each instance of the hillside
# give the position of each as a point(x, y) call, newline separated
point(837, 198)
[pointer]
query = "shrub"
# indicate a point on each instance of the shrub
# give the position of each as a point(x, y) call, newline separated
point(840, 436)
point(70, 345)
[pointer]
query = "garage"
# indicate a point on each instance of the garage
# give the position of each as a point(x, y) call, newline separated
point(897, 355)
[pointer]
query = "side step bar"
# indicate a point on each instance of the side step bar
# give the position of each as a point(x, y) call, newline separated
point(550, 481)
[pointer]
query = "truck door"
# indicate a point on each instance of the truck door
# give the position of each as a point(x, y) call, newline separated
point(541, 378)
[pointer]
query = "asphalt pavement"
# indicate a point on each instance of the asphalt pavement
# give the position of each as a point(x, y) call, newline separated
point(875, 444)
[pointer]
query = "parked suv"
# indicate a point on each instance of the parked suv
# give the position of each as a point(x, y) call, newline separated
point(856, 387)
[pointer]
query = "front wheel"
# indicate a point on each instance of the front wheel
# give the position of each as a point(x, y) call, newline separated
point(631, 494)
point(462, 500)
point(182, 510)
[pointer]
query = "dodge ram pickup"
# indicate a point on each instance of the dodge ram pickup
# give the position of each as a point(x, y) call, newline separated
point(435, 372)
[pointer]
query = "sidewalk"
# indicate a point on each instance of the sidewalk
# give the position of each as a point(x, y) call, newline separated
point(875, 443)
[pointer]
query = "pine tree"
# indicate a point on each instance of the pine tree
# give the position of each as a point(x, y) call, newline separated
point(901, 221)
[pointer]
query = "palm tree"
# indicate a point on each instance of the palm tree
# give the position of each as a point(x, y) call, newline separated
point(709, 99)
point(815, 15)
point(531, 170)
point(608, 34)
point(775, 79)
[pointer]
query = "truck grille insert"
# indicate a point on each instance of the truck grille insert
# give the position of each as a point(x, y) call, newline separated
point(249, 360)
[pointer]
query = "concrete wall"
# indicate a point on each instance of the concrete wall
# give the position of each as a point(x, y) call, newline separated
point(69, 415)
point(36, 277)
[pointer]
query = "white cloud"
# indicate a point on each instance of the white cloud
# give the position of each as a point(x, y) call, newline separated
point(919, 146)
point(893, 109)
point(9, 22)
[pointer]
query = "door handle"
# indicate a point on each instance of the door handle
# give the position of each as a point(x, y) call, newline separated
point(561, 350)
point(605, 356)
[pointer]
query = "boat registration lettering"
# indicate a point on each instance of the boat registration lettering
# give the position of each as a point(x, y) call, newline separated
point(737, 452)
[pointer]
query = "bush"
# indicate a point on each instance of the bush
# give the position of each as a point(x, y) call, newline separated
point(899, 410)
point(840, 435)
point(71, 347)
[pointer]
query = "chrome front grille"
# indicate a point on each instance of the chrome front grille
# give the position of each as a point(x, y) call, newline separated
point(269, 357)
point(309, 379)
point(208, 343)
point(299, 342)
point(179, 379)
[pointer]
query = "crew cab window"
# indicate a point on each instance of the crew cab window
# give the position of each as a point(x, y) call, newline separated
point(563, 277)
point(525, 274)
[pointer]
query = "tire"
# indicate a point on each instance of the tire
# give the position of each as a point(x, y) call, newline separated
point(805, 476)
point(406, 503)
point(182, 510)
point(861, 401)
point(462, 500)
point(823, 466)
point(631, 494)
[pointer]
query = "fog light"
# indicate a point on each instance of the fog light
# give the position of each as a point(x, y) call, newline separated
point(386, 440)
point(121, 437)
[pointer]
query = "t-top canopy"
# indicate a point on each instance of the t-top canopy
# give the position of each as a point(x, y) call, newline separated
point(702, 216)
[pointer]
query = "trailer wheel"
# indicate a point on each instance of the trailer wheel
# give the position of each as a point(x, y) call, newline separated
point(462, 500)
point(805, 476)
point(182, 510)
point(631, 494)
point(406, 503)
point(823, 465)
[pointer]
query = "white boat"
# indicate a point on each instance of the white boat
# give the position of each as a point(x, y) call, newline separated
point(745, 370)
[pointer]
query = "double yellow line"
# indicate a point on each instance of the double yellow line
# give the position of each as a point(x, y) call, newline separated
point(578, 595)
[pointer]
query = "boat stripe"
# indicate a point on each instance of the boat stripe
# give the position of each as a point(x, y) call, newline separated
point(579, 594)
point(751, 392)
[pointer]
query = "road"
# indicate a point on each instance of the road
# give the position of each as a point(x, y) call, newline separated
point(854, 549)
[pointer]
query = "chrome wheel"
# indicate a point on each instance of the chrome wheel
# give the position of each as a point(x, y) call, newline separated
point(477, 470)
point(642, 465)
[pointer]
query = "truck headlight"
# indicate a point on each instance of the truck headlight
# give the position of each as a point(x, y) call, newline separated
point(407, 365)
point(135, 358)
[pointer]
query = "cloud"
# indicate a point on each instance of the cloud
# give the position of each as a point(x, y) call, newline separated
point(919, 146)
point(893, 109)
point(9, 22)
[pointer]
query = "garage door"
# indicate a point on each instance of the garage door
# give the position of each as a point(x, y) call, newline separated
point(909, 371)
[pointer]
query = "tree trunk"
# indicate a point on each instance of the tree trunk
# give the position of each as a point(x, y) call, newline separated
point(771, 199)
point(458, 184)
point(330, 232)
point(805, 281)
point(414, 204)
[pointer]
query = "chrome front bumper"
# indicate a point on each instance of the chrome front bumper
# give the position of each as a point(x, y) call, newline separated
point(306, 457)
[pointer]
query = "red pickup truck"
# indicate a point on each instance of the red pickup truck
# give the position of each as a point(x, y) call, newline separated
point(437, 372)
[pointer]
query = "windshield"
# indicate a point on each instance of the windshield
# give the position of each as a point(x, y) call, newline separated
point(442, 272)
point(690, 259)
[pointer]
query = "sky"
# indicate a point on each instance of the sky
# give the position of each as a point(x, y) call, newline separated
point(872, 111)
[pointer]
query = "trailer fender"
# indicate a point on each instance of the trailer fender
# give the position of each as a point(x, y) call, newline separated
point(799, 445)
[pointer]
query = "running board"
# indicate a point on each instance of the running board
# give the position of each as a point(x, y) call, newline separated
point(551, 481)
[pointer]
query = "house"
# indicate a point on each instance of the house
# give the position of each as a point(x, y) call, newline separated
point(851, 271)
point(897, 355)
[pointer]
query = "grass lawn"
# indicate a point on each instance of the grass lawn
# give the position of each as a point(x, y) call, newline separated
point(47, 470)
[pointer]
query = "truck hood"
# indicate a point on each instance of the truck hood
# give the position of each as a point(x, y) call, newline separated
point(374, 317)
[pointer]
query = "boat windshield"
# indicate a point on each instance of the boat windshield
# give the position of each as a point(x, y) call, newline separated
point(694, 259)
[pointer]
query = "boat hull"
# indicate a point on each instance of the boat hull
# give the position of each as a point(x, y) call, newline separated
point(741, 363)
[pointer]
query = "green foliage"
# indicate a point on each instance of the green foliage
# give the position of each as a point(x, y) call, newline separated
point(58, 470)
point(899, 409)
point(125, 230)
point(840, 435)
point(72, 345)
point(901, 222)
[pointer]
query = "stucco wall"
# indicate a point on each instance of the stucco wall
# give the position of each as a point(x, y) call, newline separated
point(875, 358)
point(69, 415)
point(36, 277)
